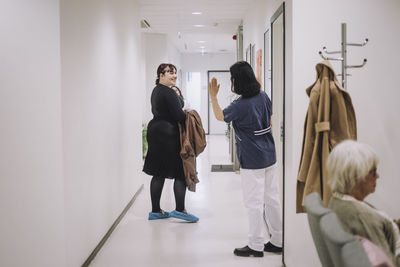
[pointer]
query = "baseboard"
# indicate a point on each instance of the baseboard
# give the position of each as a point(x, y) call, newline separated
point(113, 226)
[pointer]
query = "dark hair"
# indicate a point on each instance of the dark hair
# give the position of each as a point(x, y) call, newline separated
point(179, 90)
point(161, 69)
point(243, 80)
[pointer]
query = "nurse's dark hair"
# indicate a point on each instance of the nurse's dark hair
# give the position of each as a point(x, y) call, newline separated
point(243, 80)
point(162, 69)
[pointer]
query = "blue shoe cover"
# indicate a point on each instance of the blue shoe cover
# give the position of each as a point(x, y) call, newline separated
point(158, 215)
point(183, 216)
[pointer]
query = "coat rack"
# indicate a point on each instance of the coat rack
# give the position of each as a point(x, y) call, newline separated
point(343, 58)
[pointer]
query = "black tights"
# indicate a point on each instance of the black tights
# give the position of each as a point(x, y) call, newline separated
point(156, 187)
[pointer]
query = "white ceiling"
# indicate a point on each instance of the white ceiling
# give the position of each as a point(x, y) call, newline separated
point(220, 18)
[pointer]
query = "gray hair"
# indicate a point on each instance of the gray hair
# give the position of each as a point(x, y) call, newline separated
point(348, 164)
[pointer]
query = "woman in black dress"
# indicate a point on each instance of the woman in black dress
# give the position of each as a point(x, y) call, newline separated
point(163, 159)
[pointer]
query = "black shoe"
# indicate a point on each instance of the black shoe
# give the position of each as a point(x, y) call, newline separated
point(269, 247)
point(247, 252)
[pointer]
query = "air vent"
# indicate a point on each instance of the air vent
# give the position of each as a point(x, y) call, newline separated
point(144, 24)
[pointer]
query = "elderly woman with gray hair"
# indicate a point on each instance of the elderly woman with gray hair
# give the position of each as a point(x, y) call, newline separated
point(352, 175)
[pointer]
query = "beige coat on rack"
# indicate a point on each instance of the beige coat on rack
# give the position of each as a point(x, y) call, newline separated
point(330, 119)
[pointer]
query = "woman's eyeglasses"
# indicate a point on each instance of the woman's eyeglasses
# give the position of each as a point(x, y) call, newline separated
point(169, 71)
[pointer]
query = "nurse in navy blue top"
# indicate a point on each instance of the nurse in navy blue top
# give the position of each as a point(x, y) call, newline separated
point(250, 115)
point(250, 118)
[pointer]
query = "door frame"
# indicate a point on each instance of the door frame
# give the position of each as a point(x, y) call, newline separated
point(267, 61)
point(208, 97)
point(280, 11)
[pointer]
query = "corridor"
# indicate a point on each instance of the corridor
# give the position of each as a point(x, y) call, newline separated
point(171, 242)
point(76, 79)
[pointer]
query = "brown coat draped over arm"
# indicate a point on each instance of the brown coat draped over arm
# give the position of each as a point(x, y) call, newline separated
point(193, 142)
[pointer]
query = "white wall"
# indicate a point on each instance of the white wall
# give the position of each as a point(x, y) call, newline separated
point(102, 103)
point(374, 91)
point(157, 49)
point(31, 182)
point(203, 63)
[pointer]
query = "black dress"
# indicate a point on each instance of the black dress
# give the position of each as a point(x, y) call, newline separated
point(163, 159)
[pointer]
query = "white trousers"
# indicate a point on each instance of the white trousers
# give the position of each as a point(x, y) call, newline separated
point(262, 200)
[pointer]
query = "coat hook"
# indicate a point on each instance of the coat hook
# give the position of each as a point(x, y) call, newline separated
point(333, 52)
point(354, 44)
point(329, 58)
point(358, 66)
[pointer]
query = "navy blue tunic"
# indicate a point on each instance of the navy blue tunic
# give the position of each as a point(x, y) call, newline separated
point(251, 119)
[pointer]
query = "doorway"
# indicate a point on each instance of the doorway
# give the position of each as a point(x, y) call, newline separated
point(224, 99)
point(193, 90)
